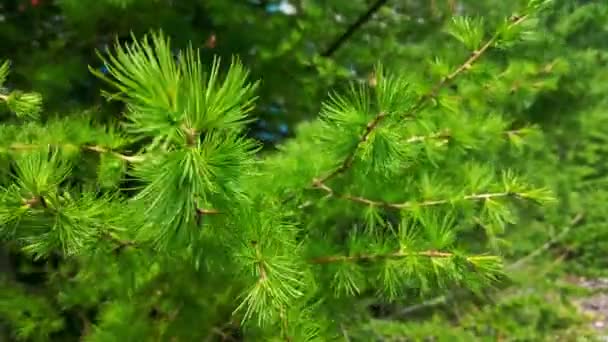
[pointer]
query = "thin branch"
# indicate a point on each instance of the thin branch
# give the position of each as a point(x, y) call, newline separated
point(333, 47)
point(412, 204)
point(94, 148)
point(427, 303)
point(99, 149)
point(344, 332)
point(348, 161)
point(260, 263)
point(420, 138)
point(467, 65)
point(285, 325)
point(444, 298)
point(120, 244)
point(444, 135)
point(573, 223)
point(367, 257)
point(3, 97)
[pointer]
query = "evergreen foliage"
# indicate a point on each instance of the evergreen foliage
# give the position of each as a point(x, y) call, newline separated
point(366, 202)
point(398, 211)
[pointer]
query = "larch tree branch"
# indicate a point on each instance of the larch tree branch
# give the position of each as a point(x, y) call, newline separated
point(419, 105)
point(369, 257)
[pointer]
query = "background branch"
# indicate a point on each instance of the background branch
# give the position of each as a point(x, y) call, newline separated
point(334, 46)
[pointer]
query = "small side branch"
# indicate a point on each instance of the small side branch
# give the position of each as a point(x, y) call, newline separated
point(369, 257)
point(93, 148)
point(348, 161)
point(119, 244)
point(259, 263)
point(99, 149)
point(510, 267)
point(411, 204)
point(573, 223)
point(435, 136)
point(333, 47)
point(468, 64)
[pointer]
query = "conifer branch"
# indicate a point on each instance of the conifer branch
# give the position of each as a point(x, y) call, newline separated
point(370, 257)
point(446, 135)
point(412, 140)
point(407, 205)
point(285, 324)
point(259, 263)
point(94, 148)
point(468, 64)
point(374, 123)
point(320, 184)
point(510, 267)
point(348, 161)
